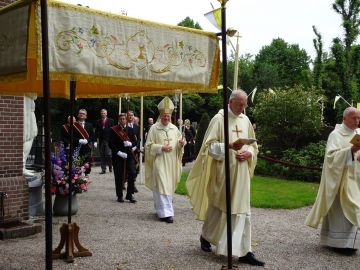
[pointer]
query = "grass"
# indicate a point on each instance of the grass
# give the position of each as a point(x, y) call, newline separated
point(181, 189)
point(268, 192)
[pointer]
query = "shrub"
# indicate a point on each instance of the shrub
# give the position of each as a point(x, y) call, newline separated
point(287, 118)
point(311, 155)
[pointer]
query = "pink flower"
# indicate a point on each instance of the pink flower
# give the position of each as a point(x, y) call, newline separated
point(83, 187)
point(86, 166)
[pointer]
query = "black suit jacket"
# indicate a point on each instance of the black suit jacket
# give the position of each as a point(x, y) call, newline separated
point(103, 133)
point(136, 130)
point(85, 149)
point(117, 144)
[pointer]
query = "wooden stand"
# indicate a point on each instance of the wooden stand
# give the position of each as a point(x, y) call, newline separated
point(70, 236)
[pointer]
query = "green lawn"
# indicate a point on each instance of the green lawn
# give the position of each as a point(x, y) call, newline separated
point(267, 192)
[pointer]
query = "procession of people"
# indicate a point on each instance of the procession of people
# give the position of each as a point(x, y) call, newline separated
point(168, 147)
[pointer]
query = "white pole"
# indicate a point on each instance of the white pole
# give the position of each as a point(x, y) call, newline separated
point(180, 111)
point(119, 105)
point(141, 140)
point(236, 70)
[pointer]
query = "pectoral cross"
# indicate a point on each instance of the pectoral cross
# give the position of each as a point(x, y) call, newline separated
point(167, 138)
point(237, 131)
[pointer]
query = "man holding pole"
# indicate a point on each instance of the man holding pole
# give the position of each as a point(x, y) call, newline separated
point(122, 140)
point(206, 182)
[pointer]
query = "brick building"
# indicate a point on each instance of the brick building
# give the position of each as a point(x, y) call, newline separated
point(12, 180)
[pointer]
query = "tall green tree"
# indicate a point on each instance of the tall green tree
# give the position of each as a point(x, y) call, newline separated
point(318, 63)
point(349, 10)
point(282, 65)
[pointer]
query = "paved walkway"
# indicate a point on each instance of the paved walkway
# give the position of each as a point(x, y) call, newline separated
point(125, 236)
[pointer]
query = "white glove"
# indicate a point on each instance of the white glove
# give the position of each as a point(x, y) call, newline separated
point(127, 143)
point(133, 149)
point(95, 144)
point(83, 141)
point(122, 154)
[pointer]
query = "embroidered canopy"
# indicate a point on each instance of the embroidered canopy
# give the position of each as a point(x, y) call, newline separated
point(107, 54)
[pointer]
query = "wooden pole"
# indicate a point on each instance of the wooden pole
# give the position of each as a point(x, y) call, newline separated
point(226, 135)
point(141, 138)
point(46, 95)
point(69, 233)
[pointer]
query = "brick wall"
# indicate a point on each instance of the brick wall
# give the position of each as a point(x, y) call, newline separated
point(11, 152)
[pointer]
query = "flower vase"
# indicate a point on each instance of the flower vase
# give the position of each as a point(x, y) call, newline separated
point(61, 202)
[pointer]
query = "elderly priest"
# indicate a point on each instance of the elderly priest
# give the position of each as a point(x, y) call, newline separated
point(163, 154)
point(337, 204)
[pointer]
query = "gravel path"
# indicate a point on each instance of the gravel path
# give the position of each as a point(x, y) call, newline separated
point(125, 236)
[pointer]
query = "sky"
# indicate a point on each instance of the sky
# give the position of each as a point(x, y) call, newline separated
point(257, 21)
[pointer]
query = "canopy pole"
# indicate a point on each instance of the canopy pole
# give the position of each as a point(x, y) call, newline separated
point(141, 139)
point(119, 105)
point(181, 107)
point(226, 134)
point(69, 233)
point(70, 157)
point(46, 94)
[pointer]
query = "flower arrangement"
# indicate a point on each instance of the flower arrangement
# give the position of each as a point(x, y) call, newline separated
point(60, 172)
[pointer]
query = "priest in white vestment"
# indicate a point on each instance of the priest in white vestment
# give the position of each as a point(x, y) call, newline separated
point(337, 204)
point(163, 155)
point(206, 182)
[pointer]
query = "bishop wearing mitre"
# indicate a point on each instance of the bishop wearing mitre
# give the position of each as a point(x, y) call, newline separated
point(163, 155)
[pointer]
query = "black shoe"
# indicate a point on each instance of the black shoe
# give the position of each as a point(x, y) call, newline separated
point(103, 172)
point(130, 198)
point(120, 199)
point(167, 219)
point(136, 190)
point(205, 244)
point(110, 169)
point(249, 258)
point(345, 251)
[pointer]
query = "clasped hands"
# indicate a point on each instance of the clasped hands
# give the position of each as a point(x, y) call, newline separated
point(168, 147)
point(243, 156)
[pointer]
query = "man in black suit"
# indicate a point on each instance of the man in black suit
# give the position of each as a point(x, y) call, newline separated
point(85, 135)
point(102, 134)
point(136, 151)
point(122, 140)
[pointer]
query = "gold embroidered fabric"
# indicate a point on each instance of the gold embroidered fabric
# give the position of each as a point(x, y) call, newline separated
point(113, 55)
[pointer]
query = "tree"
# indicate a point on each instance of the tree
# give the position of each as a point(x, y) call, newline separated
point(287, 118)
point(342, 50)
point(318, 63)
point(187, 22)
point(282, 65)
